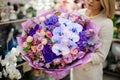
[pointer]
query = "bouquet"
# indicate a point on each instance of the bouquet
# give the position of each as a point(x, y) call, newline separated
point(56, 41)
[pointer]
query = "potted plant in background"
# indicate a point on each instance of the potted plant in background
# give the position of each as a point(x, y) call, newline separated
point(30, 12)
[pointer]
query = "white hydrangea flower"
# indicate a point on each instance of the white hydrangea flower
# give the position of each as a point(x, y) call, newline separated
point(4, 73)
point(14, 74)
point(15, 51)
point(11, 58)
point(5, 62)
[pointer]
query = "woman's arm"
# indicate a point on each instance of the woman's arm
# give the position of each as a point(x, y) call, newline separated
point(105, 35)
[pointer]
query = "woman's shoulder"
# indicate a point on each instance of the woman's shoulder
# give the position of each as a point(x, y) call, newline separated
point(107, 24)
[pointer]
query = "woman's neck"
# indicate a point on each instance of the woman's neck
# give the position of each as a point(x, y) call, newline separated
point(91, 13)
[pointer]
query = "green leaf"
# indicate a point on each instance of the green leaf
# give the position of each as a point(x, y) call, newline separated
point(29, 44)
point(25, 49)
point(57, 13)
point(36, 57)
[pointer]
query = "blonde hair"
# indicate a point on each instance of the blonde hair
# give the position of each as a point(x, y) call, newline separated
point(108, 7)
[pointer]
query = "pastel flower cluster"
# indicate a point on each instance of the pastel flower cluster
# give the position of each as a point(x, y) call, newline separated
point(56, 40)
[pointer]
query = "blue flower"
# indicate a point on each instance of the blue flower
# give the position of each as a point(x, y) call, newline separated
point(56, 39)
point(58, 31)
point(60, 49)
point(75, 28)
point(72, 45)
point(64, 21)
point(73, 37)
point(51, 20)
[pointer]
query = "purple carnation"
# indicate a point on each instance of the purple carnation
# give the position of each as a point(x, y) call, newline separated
point(51, 20)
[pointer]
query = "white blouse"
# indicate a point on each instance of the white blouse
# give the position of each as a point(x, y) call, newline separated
point(93, 69)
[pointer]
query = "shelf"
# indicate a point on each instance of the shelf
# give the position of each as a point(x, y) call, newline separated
point(112, 73)
point(14, 21)
point(118, 40)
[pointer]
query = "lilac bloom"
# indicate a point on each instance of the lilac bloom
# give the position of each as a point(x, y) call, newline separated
point(75, 28)
point(60, 49)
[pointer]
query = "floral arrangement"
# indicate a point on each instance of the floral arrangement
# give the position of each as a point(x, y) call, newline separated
point(9, 65)
point(56, 41)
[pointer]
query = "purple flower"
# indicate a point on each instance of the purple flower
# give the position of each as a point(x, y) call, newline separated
point(32, 32)
point(48, 54)
point(37, 26)
point(51, 20)
point(83, 36)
